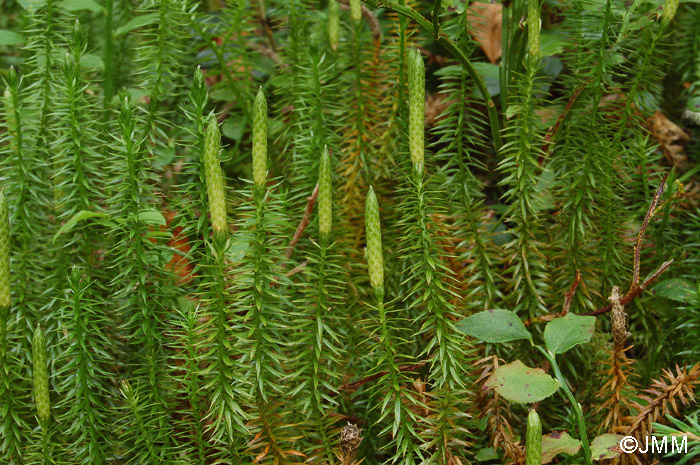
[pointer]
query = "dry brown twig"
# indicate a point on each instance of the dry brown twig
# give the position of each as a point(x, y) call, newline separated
point(619, 370)
point(659, 400)
point(635, 288)
point(311, 200)
point(350, 439)
point(499, 428)
point(356, 384)
point(568, 298)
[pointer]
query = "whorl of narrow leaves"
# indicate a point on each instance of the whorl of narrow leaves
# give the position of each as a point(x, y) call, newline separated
point(533, 440)
point(670, 8)
point(41, 375)
point(325, 194)
point(4, 255)
point(333, 24)
point(356, 11)
point(373, 230)
point(198, 81)
point(260, 139)
point(416, 107)
point(533, 30)
point(214, 177)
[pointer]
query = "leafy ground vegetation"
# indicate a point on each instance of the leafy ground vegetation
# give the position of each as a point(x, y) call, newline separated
point(296, 231)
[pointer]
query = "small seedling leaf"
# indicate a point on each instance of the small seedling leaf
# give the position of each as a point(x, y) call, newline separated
point(519, 383)
point(77, 5)
point(10, 38)
point(558, 442)
point(494, 326)
point(606, 446)
point(679, 290)
point(563, 333)
point(486, 454)
point(137, 22)
point(82, 215)
point(152, 218)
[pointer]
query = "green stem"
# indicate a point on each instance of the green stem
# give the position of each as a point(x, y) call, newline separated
point(46, 443)
point(435, 14)
point(503, 69)
point(574, 404)
point(457, 52)
point(108, 84)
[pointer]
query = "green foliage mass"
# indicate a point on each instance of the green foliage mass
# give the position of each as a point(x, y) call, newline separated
point(230, 228)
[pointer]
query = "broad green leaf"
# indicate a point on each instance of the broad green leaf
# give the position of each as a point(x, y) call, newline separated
point(10, 38)
point(486, 454)
point(93, 62)
point(31, 5)
point(77, 5)
point(494, 326)
point(519, 383)
point(82, 215)
point(606, 446)
point(558, 442)
point(552, 43)
point(562, 333)
point(490, 74)
point(679, 290)
point(137, 22)
point(152, 217)
point(237, 250)
point(234, 127)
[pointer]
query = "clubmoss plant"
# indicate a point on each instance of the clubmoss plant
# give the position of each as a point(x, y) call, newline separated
point(192, 218)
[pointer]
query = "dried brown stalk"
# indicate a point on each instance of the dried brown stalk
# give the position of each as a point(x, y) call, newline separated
point(356, 384)
point(497, 424)
point(568, 298)
point(311, 200)
point(664, 397)
point(350, 439)
point(635, 288)
point(619, 370)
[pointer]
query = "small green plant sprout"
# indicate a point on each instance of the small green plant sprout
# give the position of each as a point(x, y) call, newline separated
point(416, 110)
point(533, 439)
point(333, 24)
point(375, 259)
point(260, 139)
point(213, 176)
point(670, 8)
point(533, 30)
point(356, 11)
point(325, 195)
point(4, 261)
point(41, 378)
point(519, 383)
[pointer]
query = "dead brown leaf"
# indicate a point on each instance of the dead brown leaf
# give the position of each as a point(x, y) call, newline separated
point(670, 136)
point(484, 23)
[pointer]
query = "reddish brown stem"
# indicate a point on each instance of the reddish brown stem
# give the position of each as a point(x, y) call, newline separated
point(634, 292)
point(568, 297)
point(554, 130)
point(304, 222)
point(356, 384)
point(642, 230)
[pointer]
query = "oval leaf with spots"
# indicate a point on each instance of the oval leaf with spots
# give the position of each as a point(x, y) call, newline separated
point(679, 290)
point(606, 446)
point(494, 326)
point(558, 442)
point(561, 334)
point(517, 382)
